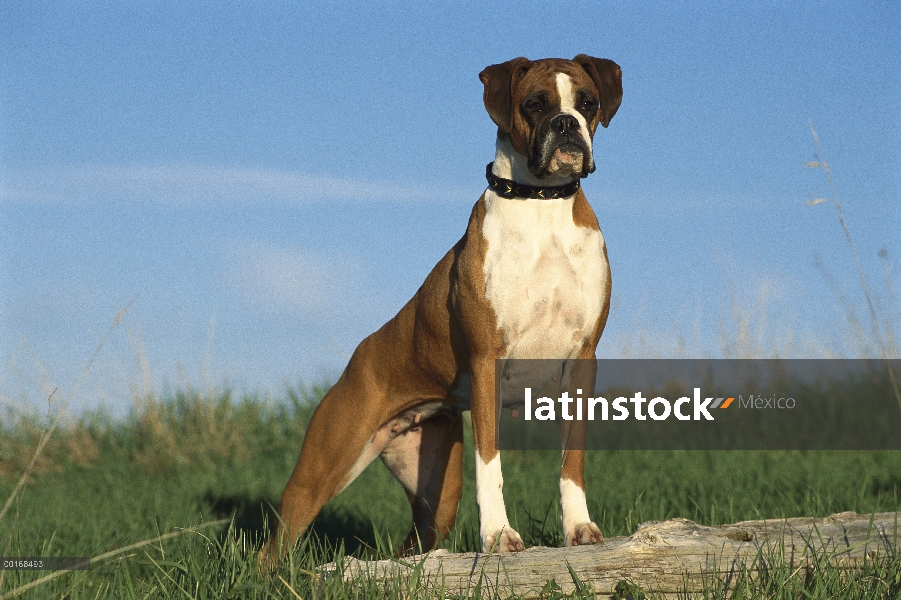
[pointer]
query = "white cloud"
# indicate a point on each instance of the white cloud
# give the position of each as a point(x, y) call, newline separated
point(189, 185)
point(313, 284)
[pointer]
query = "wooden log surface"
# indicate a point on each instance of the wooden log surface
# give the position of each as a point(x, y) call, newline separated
point(665, 558)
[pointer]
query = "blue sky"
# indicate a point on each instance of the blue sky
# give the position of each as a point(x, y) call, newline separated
point(277, 179)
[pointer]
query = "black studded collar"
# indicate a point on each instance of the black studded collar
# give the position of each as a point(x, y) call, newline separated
point(507, 188)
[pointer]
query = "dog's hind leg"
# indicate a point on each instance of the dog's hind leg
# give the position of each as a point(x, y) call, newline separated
point(343, 437)
point(427, 459)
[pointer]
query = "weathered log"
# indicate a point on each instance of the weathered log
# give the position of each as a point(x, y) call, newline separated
point(664, 558)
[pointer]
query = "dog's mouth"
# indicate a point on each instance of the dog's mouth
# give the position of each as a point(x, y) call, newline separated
point(566, 157)
point(561, 157)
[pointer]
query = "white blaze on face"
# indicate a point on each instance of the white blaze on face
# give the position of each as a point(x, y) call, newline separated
point(490, 496)
point(568, 105)
point(572, 505)
point(565, 89)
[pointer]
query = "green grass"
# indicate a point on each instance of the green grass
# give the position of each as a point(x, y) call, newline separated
point(104, 483)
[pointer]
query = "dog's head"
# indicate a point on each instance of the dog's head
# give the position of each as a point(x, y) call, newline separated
point(551, 108)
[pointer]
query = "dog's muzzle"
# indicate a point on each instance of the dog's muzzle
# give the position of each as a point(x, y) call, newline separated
point(560, 147)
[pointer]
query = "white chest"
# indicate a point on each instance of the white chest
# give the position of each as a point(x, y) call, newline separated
point(545, 276)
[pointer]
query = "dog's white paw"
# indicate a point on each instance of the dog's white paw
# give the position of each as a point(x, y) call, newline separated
point(504, 540)
point(583, 534)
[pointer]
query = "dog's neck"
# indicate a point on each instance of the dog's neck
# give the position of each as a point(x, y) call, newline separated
point(510, 164)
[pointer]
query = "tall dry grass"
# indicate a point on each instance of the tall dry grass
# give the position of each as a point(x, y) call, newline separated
point(885, 338)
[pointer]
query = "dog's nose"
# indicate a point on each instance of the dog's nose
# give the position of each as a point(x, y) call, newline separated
point(564, 123)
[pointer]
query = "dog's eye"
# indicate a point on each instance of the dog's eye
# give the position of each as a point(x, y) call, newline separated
point(535, 106)
point(589, 105)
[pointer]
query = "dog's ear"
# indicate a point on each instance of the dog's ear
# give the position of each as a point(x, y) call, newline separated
point(499, 81)
point(608, 79)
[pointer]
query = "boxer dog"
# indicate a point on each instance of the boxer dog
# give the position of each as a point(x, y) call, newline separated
point(528, 279)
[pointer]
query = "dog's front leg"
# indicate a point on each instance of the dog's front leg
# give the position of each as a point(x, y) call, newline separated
point(494, 527)
point(578, 528)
